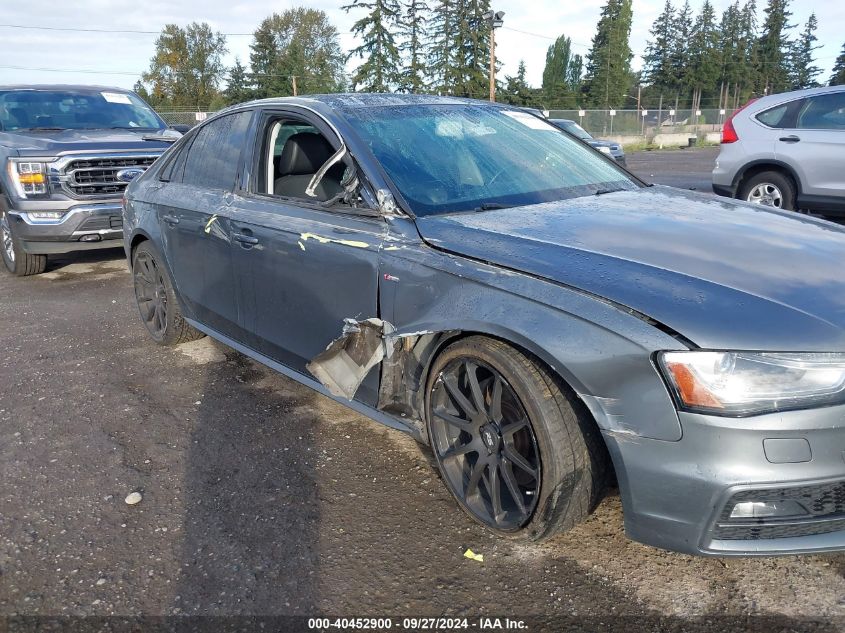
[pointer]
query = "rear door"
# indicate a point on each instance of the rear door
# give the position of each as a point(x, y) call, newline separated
point(303, 268)
point(815, 145)
point(195, 221)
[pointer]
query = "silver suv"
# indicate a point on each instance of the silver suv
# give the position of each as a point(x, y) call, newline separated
point(786, 150)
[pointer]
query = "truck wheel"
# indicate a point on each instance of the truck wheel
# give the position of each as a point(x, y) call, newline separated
point(156, 299)
point(515, 447)
point(769, 188)
point(18, 262)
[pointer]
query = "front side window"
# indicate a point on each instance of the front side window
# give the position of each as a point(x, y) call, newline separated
point(34, 109)
point(824, 112)
point(445, 158)
point(214, 156)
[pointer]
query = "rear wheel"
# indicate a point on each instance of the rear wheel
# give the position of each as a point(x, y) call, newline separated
point(17, 261)
point(156, 299)
point(769, 188)
point(520, 455)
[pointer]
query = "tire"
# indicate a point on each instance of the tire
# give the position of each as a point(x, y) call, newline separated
point(157, 303)
point(560, 442)
point(17, 261)
point(771, 188)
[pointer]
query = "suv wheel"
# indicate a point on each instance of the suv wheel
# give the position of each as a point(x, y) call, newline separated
point(518, 452)
point(769, 188)
point(156, 299)
point(18, 262)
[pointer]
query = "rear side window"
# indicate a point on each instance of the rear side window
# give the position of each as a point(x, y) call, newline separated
point(175, 165)
point(215, 154)
point(824, 112)
point(773, 117)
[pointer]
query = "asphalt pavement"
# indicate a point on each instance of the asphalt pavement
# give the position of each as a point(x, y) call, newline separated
point(260, 497)
point(688, 168)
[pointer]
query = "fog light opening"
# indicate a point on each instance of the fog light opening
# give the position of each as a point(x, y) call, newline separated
point(767, 509)
point(90, 238)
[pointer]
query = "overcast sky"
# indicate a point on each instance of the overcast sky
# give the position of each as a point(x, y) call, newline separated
point(118, 59)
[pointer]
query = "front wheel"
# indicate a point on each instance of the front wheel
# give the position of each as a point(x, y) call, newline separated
point(769, 188)
point(156, 299)
point(17, 261)
point(519, 454)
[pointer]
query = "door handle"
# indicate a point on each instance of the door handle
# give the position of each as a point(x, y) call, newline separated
point(172, 220)
point(246, 240)
point(790, 139)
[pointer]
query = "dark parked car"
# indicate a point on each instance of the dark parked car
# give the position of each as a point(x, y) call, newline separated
point(464, 272)
point(610, 148)
point(66, 155)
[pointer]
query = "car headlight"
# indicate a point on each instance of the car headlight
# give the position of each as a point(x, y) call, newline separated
point(751, 383)
point(604, 149)
point(29, 178)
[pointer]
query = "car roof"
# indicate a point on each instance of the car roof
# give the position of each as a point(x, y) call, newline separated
point(358, 100)
point(60, 87)
point(783, 97)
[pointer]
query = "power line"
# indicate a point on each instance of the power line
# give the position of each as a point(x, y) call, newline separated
point(92, 30)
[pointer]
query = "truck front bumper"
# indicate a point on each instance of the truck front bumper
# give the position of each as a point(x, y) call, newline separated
point(83, 227)
point(682, 495)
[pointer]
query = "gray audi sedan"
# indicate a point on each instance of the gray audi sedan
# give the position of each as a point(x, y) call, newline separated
point(545, 322)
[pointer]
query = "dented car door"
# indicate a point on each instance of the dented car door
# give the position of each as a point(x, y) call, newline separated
point(302, 272)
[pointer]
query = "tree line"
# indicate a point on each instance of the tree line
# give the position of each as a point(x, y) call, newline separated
point(693, 58)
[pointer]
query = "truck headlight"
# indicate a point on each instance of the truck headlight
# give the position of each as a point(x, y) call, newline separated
point(751, 383)
point(29, 178)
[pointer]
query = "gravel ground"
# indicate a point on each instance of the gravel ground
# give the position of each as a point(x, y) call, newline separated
point(260, 497)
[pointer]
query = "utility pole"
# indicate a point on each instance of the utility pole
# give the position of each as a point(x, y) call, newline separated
point(494, 19)
point(293, 80)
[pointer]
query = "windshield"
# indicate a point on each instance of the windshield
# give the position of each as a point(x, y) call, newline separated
point(75, 110)
point(573, 128)
point(446, 158)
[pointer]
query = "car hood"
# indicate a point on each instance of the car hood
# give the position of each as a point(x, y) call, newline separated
point(50, 142)
point(723, 274)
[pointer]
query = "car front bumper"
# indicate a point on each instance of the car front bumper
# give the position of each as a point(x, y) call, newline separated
point(87, 226)
point(679, 495)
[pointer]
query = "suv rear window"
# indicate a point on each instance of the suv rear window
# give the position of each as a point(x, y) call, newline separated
point(773, 117)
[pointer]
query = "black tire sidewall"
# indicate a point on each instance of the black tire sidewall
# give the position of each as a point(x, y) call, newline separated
point(170, 335)
point(559, 463)
point(10, 266)
point(780, 180)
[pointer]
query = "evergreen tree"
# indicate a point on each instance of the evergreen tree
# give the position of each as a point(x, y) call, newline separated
point(298, 43)
point(472, 47)
point(517, 91)
point(679, 52)
point(441, 63)
point(838, 76)
point(773, 48)
point(238, 88)
point(381, 69)
point(609, 62)
point(658, 70)
point(802, 70)
point(562, 74)
point(704, 55)
point(413, 30)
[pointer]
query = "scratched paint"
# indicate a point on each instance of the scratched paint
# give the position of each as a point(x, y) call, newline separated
point(328, 240)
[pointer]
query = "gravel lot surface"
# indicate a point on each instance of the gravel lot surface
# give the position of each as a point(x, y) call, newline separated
point(259, 496)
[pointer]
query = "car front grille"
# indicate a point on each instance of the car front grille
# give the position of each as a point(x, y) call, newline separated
point(96, 177)
point(824, 503)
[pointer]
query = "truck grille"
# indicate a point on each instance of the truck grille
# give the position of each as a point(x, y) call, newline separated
point(824, 503)
point(97, 177)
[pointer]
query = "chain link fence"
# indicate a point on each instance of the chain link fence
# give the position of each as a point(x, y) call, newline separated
point(646, 123)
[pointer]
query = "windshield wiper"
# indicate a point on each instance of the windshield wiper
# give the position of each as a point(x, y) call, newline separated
point(46, 129)
point(601, 192)
point(491, 206)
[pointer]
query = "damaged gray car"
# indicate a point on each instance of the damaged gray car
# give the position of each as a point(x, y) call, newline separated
point(544, 321)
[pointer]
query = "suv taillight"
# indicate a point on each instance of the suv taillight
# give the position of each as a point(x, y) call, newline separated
point(729, 134)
